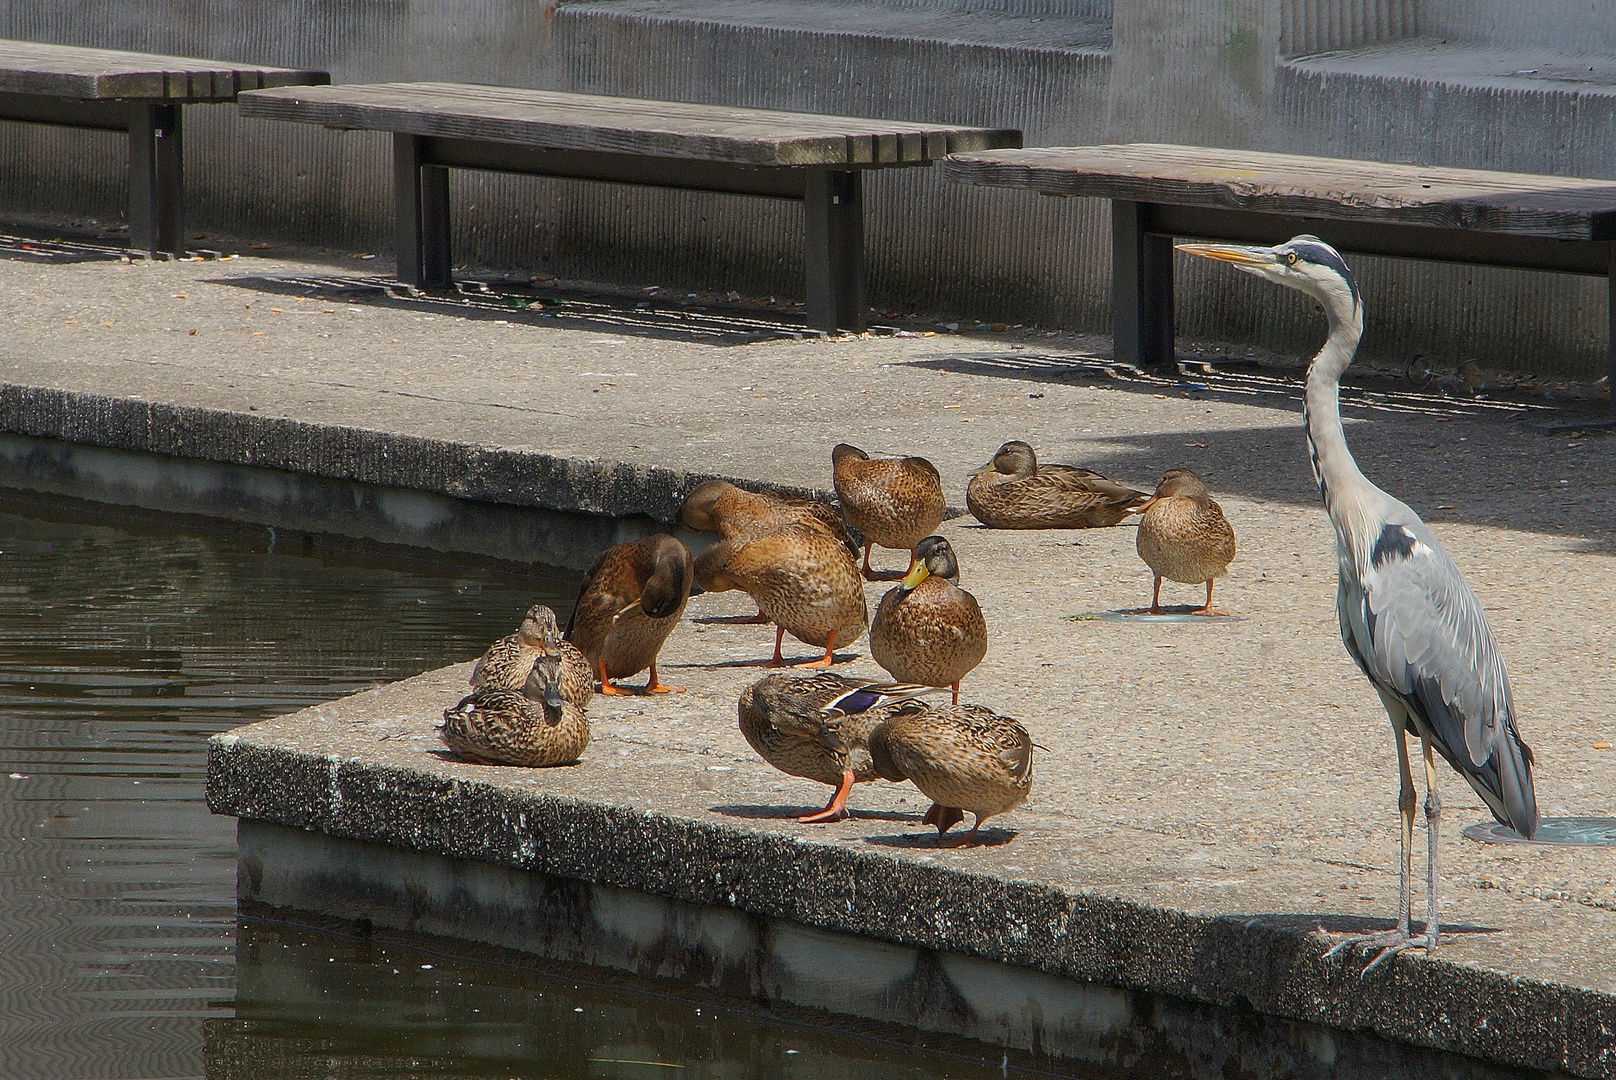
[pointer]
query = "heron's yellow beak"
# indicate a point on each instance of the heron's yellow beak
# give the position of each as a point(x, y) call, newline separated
point(915, 576)
point(1231, 253)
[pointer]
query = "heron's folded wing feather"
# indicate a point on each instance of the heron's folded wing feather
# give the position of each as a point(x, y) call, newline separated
point(1430, 642)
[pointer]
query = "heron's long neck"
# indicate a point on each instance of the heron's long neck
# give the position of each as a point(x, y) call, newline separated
point(1344, 488)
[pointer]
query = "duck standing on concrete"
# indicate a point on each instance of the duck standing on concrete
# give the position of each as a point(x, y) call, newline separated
point(802, 579)
point(509, 660)
point(1184, 536)
point(816, 727)
point(499, 726)
point(894, 502)
point(962, 757)
point(734, 513)
point(1014, 491)
point(929, 630)
point(632, 597)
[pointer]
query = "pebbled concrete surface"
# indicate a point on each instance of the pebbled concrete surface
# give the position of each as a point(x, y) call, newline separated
point(1212, 792)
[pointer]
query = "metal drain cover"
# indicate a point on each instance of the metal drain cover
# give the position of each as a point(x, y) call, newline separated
point(1560, 832)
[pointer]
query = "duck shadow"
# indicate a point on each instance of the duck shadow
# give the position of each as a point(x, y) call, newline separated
point(450, 757)
point(790, 662)
point(930, 841)
point(791, 813)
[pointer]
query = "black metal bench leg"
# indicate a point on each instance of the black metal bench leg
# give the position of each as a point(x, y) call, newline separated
point(1141, 289)
point(421, 196)
point(834, 215)
point(156, 180)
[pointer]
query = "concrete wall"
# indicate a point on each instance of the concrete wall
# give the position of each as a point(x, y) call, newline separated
point(1066, 71)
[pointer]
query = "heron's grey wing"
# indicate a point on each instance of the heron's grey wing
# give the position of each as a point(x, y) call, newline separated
point(1429, 643)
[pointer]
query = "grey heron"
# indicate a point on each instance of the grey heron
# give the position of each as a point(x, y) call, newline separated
point(1408, 619)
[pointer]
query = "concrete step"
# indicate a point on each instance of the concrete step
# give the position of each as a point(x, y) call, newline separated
point(1457, 103)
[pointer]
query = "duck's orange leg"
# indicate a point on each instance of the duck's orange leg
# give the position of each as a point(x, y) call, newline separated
point(944, 817)
point(1209, 609)
point(956, 693)
point(967, 840)
point(836, 809)
point(778, 660)
point(830, 654)
point(1155, 601)
point(869, 574)
point(652, 686)
point(606, 687)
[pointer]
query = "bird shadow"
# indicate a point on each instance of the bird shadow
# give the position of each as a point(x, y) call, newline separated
point(790, 813)
point(1336, 924)
point(447, 755)
point(790, 662)
point(729, 620)
point(929, 840)
point(885, 575)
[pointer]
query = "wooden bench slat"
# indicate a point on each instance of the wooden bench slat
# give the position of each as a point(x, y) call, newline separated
point(70, 71)
point(1524, 204)
point(615, 125)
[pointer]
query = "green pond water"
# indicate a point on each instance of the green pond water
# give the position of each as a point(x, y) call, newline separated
point(123, 646)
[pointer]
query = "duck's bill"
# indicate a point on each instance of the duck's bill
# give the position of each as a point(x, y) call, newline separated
point(915, 577)
point(1253, 257)
point(980, 469)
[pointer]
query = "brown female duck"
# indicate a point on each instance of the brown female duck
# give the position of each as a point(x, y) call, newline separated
point(894, 502)
point(498, 726)
point(815, 727)
point(508, 661)
point(1184, 536)
point(632, 597)
point(1014, 491)
point(962, 757)
point(928, 629)
point(802, 579)
point(734, 513)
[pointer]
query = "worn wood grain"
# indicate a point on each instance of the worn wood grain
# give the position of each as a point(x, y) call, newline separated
point(67, 71)
point(622, 125)
point(1524, 204)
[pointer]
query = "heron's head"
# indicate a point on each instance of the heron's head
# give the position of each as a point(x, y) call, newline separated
point(1302, 262)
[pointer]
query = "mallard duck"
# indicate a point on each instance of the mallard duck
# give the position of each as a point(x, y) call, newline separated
point(1013, 491)
point(928, 629)
point(1184, 536)
point(734, 513)
point(801, 578)
point(508, 661)
point(718, 506)
point(631, 599)
point(815, 726)
point(962, 757)
point(894, 502)
point(497, 726)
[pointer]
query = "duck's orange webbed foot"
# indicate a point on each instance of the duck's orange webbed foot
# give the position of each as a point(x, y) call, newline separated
point(836, 809)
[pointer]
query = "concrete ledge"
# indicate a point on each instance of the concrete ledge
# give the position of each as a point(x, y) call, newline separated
point(461, 470)
point(316, 771)
point(720, 953)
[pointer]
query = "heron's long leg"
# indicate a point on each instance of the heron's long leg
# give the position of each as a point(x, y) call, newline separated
point(1433, 818)
point(1392, 941)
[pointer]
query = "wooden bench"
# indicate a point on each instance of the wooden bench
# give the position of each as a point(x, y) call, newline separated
point(1159, 192)
point(815, 160)
point(139, 93)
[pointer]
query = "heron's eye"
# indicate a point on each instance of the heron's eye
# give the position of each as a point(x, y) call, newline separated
point(1290, 258)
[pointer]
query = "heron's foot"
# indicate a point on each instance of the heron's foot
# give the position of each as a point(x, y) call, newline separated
point(1387, 944)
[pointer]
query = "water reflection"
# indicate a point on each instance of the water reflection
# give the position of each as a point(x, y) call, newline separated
point(122, 648)
point(313, 1005)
